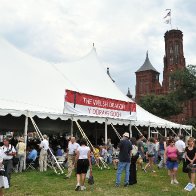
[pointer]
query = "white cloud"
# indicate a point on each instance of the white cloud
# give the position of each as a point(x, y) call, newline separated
point(62, 30)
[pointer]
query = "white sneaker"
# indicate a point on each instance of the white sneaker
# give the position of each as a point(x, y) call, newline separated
point(172, 182)
point(83, 188)
point(77, 187)
point(175, 181)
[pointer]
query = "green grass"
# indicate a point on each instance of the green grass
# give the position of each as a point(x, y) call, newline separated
point(48, 183)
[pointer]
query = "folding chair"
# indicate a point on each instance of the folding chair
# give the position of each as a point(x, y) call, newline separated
point(32, 165)
point(61, 161)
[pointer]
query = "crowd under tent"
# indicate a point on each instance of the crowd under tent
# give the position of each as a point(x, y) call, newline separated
point(33, 87)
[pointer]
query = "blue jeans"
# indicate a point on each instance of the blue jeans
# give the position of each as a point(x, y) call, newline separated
point(122, 166)
point(161, 163)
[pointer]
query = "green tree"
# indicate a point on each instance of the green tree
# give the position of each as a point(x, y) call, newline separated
point(185, 83)
point(162, 105)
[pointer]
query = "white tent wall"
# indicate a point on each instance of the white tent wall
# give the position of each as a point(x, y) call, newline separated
point(28, 83)
point(88, 75)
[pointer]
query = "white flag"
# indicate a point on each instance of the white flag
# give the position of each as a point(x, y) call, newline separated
point(168, 14)
point(167, 18)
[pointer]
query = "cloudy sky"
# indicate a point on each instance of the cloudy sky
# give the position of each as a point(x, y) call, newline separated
point(122, 30)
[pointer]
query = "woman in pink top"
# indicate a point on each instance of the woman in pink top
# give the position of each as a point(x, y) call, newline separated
point(171, 160)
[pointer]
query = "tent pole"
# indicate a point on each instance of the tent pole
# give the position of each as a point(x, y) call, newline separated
point(165, 132)
point(25, 137)
point(180, 131)
point(95, 133)
point(72, 126)
point(106, 130)
point(96, 136)
point(130, 130)
point(148, 131)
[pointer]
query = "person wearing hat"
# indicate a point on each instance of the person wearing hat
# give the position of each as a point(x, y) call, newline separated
point(125, 148)
point(44, 145)
point(21, 150)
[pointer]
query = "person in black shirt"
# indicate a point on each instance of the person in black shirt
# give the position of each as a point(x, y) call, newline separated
point(190, 156)
point(125, 147)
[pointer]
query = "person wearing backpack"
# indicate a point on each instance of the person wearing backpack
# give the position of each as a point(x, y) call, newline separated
point(9, 152)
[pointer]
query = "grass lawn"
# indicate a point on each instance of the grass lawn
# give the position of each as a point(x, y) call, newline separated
point(36, 183)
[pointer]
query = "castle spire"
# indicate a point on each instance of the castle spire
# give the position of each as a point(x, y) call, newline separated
point(147, 65)
point(129, 94)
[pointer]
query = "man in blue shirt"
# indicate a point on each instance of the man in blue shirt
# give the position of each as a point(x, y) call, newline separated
point(125, 147)
point(32, 155)
point(59, 152)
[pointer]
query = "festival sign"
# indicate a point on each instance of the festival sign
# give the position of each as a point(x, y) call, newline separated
point(85, 104)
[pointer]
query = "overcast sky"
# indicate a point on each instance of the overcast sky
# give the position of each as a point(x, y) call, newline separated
point(122, 30)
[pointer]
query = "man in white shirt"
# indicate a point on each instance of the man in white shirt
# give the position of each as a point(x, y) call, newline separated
point(44, 145)
point(9, 153)
point(180, 145)
point(71, 155)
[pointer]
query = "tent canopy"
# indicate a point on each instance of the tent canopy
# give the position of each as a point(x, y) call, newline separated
point(32, 86)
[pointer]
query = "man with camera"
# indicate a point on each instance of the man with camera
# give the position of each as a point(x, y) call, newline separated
point(9, 152)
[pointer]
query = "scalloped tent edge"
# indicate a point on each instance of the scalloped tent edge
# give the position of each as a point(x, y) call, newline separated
point(33, 96)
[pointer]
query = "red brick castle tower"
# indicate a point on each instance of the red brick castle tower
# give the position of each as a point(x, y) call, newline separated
point(173, 59)
point(147, 77)
point(147, 80)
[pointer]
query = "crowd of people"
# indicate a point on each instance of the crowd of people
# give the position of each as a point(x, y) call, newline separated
point(168, 152)
point(130, 155)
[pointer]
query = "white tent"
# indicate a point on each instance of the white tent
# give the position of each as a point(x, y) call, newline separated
point(144, 118)
point(30, 85)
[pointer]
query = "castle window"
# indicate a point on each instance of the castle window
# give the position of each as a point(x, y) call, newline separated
point(176, 52)
point(176, 48)
point(171, 60)
point(171, 50)
point(147, 88)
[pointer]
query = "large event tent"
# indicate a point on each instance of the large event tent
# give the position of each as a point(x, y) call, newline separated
point(31, 86)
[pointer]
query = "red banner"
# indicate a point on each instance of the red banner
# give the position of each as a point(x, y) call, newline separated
point(98, 106)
